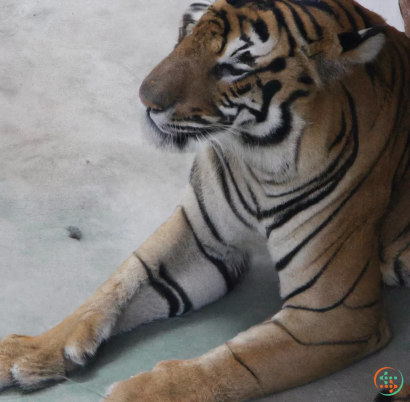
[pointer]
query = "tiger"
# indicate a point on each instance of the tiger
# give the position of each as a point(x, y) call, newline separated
point(298, 112)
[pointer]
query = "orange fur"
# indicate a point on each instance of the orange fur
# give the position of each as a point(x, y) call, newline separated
point(340, 317)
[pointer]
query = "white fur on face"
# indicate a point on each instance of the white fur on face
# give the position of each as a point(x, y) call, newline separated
point(257, 49)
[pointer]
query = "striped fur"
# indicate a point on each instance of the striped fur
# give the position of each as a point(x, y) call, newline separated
point(299, 113)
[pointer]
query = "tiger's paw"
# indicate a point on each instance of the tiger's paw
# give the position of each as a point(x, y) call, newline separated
point(33, 362)
point(170, 381)
point(27, 363)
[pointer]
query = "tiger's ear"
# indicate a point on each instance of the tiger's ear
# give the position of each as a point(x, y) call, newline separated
point(349, 47)
point(335, 54)
point(191, 16)
point(363, 46)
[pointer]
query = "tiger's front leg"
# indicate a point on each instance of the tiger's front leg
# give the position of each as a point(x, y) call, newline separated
point(180, 268)
point(325, 325)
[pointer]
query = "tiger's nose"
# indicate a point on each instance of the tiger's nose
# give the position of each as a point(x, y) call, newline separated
point(149, 95)
point(159, 92)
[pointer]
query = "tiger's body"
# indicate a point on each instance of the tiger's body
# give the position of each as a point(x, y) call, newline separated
point(301, 108)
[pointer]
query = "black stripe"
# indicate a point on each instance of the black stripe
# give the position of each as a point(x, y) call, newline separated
point(255, 200)
point(244, 89)
point(372, 71)
point(305, 79)
point(320, 5)
point(278, 135)
point(253, 175)
point(242, 363)
point(234, 94)
point(318, 178)
point(226, 97)
point(187, 20)
point(402, 94)
point(227, 28)
point(164, 275)
point(298, 21)
point(276, 66)
point(209, 21)
point(404, 231)
point(304, 200)
point(223, 69)
point(350, 40)
point(338, 303)
point(219, 264)
point(318, 28)
point(295, 95)
point(192, 119)
point(238, 191)
point(361, 12)
point(325, 343)
point(245, 46)
point(365, 306)
point(381, 252)
point(313, 281)
point(261, 29)
point(406, 153)
point(289, 257)
point(327, 248)
point(241, 19)
point(219, 168)
point(280, 18)
point(341, 134)
point(163, 290)
point(349, 16)
point(197, 187)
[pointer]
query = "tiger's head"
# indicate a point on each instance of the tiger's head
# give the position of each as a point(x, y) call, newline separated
point(245, 72)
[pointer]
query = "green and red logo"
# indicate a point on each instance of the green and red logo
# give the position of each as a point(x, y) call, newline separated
point(389, 381)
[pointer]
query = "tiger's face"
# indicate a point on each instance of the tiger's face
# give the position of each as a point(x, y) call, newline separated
point(245, 74)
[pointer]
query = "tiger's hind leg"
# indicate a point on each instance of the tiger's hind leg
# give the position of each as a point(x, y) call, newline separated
point(395, 238)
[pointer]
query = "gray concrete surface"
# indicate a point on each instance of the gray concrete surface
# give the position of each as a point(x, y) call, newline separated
point(72, 154)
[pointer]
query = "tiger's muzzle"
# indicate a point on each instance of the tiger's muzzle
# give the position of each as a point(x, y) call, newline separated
point(178, 95)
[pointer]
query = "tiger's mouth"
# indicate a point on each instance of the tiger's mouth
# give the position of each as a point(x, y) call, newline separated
point(177, 133)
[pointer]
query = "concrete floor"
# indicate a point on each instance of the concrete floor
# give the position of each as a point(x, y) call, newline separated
point(72, 154)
